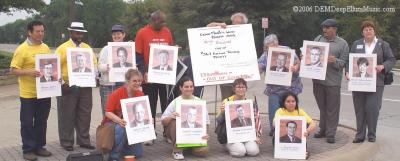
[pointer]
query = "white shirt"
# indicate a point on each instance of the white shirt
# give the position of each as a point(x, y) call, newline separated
point(171, 108)
point(370, 49)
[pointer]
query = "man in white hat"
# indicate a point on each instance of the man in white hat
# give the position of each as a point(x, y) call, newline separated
point(74, 107)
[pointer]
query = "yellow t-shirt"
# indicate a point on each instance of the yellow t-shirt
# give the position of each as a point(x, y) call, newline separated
point(300, 112)
point(24, 58)
point(62, 52)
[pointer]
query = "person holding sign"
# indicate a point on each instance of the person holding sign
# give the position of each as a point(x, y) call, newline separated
point(106, 87)
point(113, 115)
point(274, 92)
point(74, 107)
point(236, 19)
point(368, 104)
point(241, 149)
point(33, 112)
point(290, 107)
point(168, 120)
point(156, 32)
point(327, 92)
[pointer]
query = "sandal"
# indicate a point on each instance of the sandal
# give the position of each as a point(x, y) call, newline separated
point(307, 155)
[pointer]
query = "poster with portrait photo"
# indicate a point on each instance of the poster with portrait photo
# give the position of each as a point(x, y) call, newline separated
point(191, 126)
point(47, 85)
point(121, 57)
point(239, 116)
point(162, 64)
point(278, 70)
point(139, 123)
point(81, 67)
point(362, 73)
point(290, 142)
point(315, 60)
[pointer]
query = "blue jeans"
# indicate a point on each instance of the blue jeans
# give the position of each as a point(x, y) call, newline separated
point(273, 105)
point(121, 145)
point(33, 116)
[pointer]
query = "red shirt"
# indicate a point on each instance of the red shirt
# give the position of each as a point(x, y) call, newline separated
point(146, 36)
point(114, 101)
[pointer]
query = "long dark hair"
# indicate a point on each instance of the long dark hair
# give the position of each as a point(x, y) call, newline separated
point(285, 96)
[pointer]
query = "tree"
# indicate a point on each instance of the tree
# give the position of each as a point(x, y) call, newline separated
point(27, 5)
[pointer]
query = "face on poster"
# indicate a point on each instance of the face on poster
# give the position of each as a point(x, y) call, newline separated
point(314, 56)
point(290, 131)
point(240, 115)
point(280, 61)
point(191, 116)
point(138, 115)
point(48, 70)
point(163, 59)
point(81, 62)
point(362, 67)
point(122, 56)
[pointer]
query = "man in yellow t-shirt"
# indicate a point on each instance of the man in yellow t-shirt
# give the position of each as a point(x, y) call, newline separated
point(74, 107)
point(34, 112)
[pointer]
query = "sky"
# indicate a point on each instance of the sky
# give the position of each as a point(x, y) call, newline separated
point(5, 18)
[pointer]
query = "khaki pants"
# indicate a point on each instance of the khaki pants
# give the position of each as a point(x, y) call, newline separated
point(170, 131)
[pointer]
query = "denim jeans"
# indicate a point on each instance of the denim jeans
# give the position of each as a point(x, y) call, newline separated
point(121, 145)
point(273, 105)
point(33, 116)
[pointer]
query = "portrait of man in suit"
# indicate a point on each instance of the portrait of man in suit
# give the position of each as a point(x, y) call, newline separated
point(240, 120)
point(190, 121)
point(80, 61)
point(315, 57)
point(362, 64)
point(47, 72)
point(290, 133)
point(280, 63)
point(139, 113)
point(122, 55)
point(163, 57)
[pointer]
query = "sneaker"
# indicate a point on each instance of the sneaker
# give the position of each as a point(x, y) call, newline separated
point(178, 156)
point(43, 152)
point(149, 143)
point(30, 156)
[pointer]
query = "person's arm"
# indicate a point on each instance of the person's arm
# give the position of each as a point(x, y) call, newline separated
point(115, 118)
point(388, 57)
point(262, 63)
point(215, 24)
point(103, 60)
point(310, 128)
point(340, 62)
point(169, 114)
point(25, 72)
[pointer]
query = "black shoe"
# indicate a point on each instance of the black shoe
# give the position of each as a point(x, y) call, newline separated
point(90, 147)
point(68, 148)
point(271, 133)
point(372, 140)
point(319, 135)
point(358, 140)
point(330, 140)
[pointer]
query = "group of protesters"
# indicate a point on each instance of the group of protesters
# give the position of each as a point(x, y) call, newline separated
point(74, 107)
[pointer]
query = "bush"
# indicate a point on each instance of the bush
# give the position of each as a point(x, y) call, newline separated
point(5, 60)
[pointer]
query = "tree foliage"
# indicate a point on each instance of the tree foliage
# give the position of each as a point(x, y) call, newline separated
point(6, 6)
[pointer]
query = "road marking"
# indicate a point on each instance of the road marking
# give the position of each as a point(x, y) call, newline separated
point(385, 99)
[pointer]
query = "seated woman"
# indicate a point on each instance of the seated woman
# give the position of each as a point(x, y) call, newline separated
point(249, 148)
point(168, 120)
point(113, 115)
point(290, 107)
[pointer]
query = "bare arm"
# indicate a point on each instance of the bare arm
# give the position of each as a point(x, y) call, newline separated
point(25, 72)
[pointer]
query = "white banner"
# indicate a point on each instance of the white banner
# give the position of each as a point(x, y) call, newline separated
point(48, 85)
point(239, 118)
point(191, 126)
point(139, 123)
point(220, 56)
point(278, 70)
point(362, 72)
point(121, 57)
point(315, 60)
point(290, 142)
point(81, 67)
point(162, 64)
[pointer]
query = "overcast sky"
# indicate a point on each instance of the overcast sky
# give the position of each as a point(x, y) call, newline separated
point(4, 18)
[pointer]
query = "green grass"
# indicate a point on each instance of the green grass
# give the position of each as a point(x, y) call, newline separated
point(5, 59)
